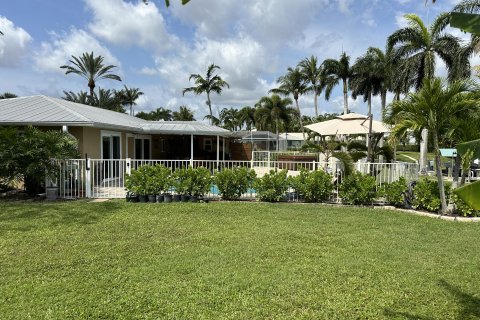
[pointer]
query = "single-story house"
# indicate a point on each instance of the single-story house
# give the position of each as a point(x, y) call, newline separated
point(105, 134)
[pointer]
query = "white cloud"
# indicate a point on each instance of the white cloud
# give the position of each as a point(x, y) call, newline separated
point(400, 20)
point(59, 50)
point(125, 23)
point(344, 6)
point(13, 44)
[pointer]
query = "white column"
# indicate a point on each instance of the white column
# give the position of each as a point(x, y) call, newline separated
point(218, 151)
point(191, 150)
point(88, 181)
point(223, 149)
point(423, 152)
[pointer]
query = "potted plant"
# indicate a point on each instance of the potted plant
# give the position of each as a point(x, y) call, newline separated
point(201, 181)
point(182, 184)
point(162, 182)
point(136, 183)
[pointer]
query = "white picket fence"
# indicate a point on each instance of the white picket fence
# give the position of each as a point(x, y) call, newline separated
point(100, 178)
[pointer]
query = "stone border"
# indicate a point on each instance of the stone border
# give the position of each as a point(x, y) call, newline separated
point(431, 215)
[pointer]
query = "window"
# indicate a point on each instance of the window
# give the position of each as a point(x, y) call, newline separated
point(208, 145)
point(142, 148)
point(111, 145)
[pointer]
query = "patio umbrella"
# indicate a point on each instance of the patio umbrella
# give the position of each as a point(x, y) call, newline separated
point(351, 123)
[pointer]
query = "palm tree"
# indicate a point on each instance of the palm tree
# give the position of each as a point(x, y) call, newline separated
point(91, 68)
point(434, 107)
point(230, 119)
point(339, 70)
point(107, 99)
point(183, 114)
point(246, 116)
point(211, 83)
point(129, 96)
point(8, 95)
point(366, 79)
point(156, 115)
point(293, 83)
point(419, 45)
point(81, 97)
point(272, 113)
point(313, 73)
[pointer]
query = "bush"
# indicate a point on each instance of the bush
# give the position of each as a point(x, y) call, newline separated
point(162, 179)
point(426, 195)
point(358, 189)
point(394, 193)
point(232, 183)
point(193, 182)
point(138, 182)
point(29, 153)
point(463, 209)
point(313, 186)
point(272, 186)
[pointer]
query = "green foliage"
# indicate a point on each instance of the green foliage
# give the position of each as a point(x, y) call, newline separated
point(272, 186)
point(313, 186)
point(192, 181)
point(394, 192)
point(139, 182)
point(162, 179)
point(358, 189)
point(427, 195)
point(29, 152)
point(462, 208)
point(232, 183)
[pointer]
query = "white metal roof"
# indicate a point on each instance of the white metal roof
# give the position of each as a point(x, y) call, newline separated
point(48, 111)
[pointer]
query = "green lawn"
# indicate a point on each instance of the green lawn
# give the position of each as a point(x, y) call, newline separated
point(81, 260)
point(407, 155)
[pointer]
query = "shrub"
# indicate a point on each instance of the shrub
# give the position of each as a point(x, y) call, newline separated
point(232, 183)
point(463, 209)
point(394, 193)
point(180, 181)
point(162, 178)
point(137, 182)
point(272, 186)
point(313, 186)
point(358, 189)
point(426, 195)
point(200, 180)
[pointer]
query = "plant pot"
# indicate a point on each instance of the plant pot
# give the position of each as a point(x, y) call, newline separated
point(133, 198)
point(143, 198)
point(176, 198)
point(160, 198)
point(167, 198)
point(185, 197)
point(52, 193)
point(152, 198)
point(193, 199)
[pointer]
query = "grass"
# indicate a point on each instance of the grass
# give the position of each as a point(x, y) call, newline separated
point(407, 155)
point(79, 260)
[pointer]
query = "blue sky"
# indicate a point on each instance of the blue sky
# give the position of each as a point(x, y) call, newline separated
point(157, 48)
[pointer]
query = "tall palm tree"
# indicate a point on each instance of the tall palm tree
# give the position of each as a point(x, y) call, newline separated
point(272, 113)
point(366, 79)
point(230, 119)
point(91, 68)
point(184, 113)
point(107, 99)
point(313, 73)
point(211, 83)
point(434, 107)
point(420, 45)
point(293, 83)
point(129, 96)
point(339, 70)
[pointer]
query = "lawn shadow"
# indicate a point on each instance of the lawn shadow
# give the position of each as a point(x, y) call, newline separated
point(33, 215)
point(469, 305)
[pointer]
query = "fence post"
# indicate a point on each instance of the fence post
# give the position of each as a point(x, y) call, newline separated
point(88, 182)
point(128, 166)
point(268, 160)
point(314, 167)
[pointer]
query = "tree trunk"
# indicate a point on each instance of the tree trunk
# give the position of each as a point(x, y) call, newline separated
point(370, 142)
point(315, 102)
point(131, 109)
point(209, 103)
point(424, 151)
point(456, 171)
point(91, 85)
point(345, 97)
point(300, 118)
point(383, 96)
point(438, 169)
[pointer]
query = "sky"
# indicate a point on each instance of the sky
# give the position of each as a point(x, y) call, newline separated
point(156, 48)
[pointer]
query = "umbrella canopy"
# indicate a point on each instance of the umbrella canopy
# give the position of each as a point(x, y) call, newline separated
point(351, 123)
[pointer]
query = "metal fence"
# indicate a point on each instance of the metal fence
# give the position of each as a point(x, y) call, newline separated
point(101, 178)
